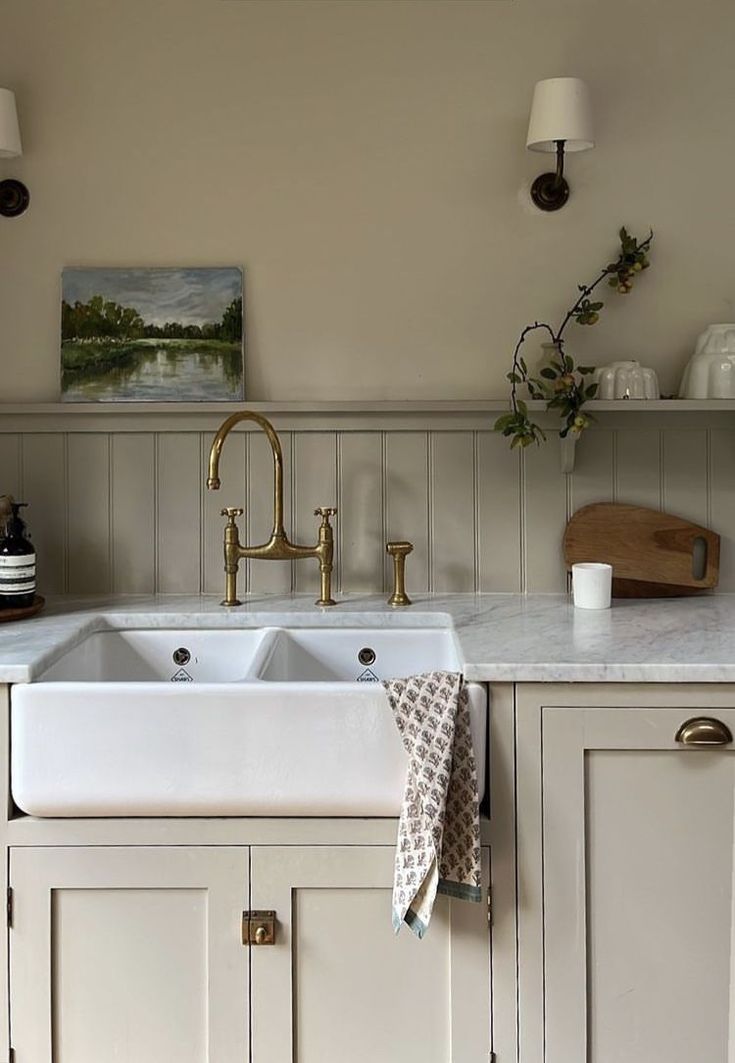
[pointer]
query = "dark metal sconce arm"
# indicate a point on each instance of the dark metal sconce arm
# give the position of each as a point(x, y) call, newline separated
point(550, 191)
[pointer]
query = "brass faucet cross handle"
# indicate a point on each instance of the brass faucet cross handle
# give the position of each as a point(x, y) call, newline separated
point(399, 552)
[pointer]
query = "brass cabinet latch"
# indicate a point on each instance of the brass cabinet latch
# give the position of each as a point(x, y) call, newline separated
point(259, 928)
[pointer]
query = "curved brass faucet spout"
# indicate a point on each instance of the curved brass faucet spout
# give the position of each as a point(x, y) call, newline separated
point(278, 547)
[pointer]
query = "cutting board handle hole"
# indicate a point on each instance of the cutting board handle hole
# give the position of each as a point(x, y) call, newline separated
point(699, 557)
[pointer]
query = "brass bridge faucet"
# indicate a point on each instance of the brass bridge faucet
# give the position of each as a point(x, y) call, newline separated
point(278, 547)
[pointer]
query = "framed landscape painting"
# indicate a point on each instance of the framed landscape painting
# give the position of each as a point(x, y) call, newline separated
point(152, 335)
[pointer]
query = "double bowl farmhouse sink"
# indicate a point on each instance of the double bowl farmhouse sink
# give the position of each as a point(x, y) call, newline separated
point(224, 722)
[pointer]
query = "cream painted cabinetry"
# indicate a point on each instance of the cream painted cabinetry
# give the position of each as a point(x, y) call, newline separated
point(128, 953)
point(627, 895)
point(134, 953)
point(340, 986)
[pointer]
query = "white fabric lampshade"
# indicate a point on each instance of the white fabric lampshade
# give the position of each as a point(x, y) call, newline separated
point(9, 131)
point(560, 110)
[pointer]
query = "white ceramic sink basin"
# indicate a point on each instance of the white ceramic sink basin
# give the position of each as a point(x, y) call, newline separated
point(209, 656)
point(313, 655)
point(269, 722)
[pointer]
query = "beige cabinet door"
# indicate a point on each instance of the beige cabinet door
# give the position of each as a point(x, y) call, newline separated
point(129, 954)
point(339, 985)
point(638, 888)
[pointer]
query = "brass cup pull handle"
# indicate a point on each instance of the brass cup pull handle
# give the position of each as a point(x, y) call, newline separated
point(704, 731)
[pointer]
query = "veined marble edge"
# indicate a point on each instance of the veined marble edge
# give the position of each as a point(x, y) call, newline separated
point(67, 631)
point(535, 638)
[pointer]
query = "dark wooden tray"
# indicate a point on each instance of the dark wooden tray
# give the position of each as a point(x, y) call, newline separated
point(27, 611)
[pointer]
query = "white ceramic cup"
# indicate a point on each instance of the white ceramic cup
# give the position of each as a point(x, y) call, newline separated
point(592, 585)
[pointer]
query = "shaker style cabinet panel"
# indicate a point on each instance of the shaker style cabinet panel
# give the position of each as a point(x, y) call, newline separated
point(339, 985)
point(638, 890)
point(120, 954)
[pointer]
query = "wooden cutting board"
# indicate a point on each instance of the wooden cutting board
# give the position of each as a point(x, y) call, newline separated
point(653, 554)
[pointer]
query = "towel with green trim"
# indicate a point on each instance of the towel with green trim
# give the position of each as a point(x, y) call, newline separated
point(438, 848)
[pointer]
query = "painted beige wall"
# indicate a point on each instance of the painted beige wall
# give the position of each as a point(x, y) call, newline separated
point(365, 161)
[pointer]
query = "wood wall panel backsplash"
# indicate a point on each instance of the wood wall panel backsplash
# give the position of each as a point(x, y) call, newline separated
point(127, 511)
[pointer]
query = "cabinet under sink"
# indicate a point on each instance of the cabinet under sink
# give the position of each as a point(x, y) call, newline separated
point(224, 722)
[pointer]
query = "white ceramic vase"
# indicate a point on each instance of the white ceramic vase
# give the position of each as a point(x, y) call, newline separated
point(710, 373)
point(626, 380)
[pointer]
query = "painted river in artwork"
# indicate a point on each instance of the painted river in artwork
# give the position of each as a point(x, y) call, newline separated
point(157, 374)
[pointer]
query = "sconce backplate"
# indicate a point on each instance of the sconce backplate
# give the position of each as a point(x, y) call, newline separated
point(550, 191)
point(14, 198)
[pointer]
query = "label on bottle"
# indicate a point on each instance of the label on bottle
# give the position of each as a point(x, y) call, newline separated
point(17, 574)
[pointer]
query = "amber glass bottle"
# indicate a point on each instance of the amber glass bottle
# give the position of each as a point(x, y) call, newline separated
point(17, 564)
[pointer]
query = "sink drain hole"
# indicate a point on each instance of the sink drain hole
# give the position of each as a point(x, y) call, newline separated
point(181, 656)
point(366, 656)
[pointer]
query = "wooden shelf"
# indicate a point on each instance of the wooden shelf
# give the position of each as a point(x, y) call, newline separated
point(345, 416)
point(350, 406)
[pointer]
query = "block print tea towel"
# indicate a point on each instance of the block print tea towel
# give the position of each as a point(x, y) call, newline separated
point(438, 849)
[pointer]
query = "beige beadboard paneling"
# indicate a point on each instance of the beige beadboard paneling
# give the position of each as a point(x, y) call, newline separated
point(594, 470)
point(314, 484)
point(232, 493)
point(686, 473)
point(545, 515)
point(722, 500)
point(88, 514)
point(10, 466)
point(638, 463)
point(133, 513)
point(127, 509)
point(273, 577)
point(178, 505)
point(360, 509)
point(44, 488)
point(498, 514)
point(452, 506)
point(407, 503)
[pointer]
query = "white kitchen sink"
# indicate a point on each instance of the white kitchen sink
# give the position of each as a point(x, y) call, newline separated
point(218, 656)
point(313, 655)
point(269, 722)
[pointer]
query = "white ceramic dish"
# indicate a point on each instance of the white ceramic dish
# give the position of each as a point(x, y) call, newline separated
point(626, 380)
point(710, 373)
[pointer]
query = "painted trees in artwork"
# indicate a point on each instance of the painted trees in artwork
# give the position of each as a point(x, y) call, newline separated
point(104, 319)
point(100, 319)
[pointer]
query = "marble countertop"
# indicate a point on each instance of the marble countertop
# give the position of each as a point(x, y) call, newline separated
point(502, 637)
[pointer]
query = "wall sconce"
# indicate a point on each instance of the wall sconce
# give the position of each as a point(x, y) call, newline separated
point(14, 196)
point(561, 120)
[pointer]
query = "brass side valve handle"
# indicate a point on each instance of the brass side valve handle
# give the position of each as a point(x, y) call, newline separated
point(231, 548)
point(399, 551)
point(326, 547)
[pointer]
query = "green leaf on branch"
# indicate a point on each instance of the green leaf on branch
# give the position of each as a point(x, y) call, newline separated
point(561, 385)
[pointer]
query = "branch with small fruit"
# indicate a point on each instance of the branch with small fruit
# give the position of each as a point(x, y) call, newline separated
point(560, 383)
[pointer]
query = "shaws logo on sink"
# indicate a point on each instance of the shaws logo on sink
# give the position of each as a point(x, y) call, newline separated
point(368, 676)
point(182, 676)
